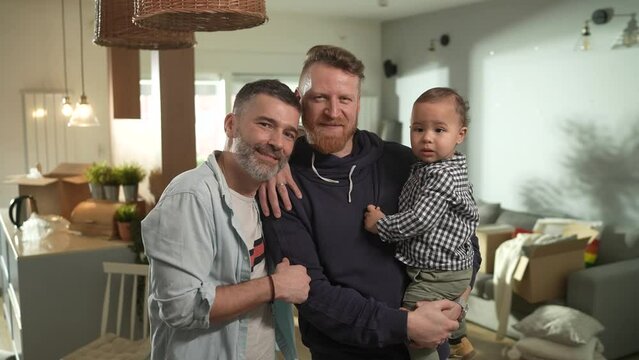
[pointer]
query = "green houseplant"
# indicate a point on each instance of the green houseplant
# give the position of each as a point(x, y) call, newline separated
point(124, 215)
point(96, 176)
point(111, 184)
point(129, 176)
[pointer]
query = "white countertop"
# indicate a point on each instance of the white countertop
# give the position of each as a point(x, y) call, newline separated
point(56, 242)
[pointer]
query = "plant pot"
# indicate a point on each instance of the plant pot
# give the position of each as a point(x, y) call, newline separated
point(97, 191)
point(124, 230)
point(130, 193)
point(112, 192)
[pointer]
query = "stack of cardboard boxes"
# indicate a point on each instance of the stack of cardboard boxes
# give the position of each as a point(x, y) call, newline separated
point(58, 191)
point(542, 270)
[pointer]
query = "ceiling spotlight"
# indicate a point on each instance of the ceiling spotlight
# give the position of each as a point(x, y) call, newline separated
point(444, 40)
point(602, 16)
point(629, 37)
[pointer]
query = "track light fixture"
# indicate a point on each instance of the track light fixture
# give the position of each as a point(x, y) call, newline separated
point(628, 38)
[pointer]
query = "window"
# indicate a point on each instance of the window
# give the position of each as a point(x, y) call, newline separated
point(211, 101)
point(210, 110)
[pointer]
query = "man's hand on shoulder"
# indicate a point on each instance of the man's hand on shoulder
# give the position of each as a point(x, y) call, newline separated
point(431, 322)
point(270, 191)
point(291, 282)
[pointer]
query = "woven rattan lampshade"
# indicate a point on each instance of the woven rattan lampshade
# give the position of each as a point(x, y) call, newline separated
point(114, 27)
point(199, 15)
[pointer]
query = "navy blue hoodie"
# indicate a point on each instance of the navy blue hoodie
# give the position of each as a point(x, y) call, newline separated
point(357, 285)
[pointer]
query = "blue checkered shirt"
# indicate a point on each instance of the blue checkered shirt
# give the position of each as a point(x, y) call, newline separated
point(437, 217)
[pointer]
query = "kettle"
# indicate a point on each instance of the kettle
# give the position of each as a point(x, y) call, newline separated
point(21, 208)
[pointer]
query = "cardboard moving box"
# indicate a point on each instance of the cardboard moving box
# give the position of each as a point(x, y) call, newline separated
point(59, 191)
point(542, 271)
point(490, 237)
point(97, 217)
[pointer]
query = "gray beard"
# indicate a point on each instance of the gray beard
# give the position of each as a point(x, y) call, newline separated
point(245, 155)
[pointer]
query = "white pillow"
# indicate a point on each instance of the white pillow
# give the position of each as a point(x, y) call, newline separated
point(560, 324)
point(531, 347)
point(555, 226)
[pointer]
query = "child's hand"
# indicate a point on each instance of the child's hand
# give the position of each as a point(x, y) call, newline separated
point(373, 214)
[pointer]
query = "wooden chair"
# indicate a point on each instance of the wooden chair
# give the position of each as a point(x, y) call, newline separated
point(114, 346)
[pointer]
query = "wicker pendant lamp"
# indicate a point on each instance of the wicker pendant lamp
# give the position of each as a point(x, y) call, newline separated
point(114, 27)
point(199, 15)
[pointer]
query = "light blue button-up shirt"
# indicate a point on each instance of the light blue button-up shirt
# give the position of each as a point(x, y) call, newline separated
point(193, 245)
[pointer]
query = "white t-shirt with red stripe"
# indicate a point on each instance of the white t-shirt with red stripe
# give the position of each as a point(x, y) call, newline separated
point(261, 335)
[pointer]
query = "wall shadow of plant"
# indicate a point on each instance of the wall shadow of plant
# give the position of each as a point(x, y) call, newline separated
point(601, 179)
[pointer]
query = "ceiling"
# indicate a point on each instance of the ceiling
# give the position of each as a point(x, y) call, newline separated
point(363, 9)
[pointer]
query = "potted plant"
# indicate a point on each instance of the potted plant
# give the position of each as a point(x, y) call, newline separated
point(95, 175)
point(124, 215)
point(111, 184)
point(130, 176)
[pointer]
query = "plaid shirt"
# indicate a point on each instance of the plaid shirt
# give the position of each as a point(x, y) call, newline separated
point(437, 217)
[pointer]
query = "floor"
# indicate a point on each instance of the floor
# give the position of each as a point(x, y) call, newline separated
point(6, 349)
point(484, 341)
point(487, 347)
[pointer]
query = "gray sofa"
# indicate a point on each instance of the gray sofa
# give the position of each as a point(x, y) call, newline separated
point(607, 291)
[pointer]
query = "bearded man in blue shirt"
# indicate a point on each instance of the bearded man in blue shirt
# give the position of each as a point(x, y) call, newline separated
point(211, 291)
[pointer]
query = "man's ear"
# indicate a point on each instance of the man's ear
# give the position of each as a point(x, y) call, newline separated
point(462, 134)
point(229, 125)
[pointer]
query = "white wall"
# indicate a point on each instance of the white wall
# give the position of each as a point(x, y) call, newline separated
point(31, 58)
point(552, 129)
point(280, 46)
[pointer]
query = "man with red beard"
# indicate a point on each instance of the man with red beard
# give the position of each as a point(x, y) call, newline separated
point(353, 308)
point(211, 293)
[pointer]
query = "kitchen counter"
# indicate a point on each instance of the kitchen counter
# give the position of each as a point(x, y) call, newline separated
point(55, 242)
point(53, 288)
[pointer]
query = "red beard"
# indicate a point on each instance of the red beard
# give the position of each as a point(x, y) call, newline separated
point(329, 144)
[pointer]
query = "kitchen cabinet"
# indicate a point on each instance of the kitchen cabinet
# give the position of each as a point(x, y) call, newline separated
point(53, 289)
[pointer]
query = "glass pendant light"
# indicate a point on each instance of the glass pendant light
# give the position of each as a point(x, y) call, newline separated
point(67, 108)
point(83, 114)
point(585, 37)
point(630, 35)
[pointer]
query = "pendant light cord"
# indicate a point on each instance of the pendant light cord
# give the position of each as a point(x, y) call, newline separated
point(64, 52)
point(81, 48)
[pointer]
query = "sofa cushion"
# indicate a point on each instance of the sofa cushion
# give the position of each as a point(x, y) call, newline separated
point(488, 212)
point(615, 247)
point(560, 324)
point(518, 219)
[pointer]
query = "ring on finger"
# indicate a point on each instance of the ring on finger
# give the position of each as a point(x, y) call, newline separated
point(282, 184)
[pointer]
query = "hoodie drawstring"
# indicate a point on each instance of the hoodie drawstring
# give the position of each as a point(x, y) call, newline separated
point(350, 185)
point(350, 177)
